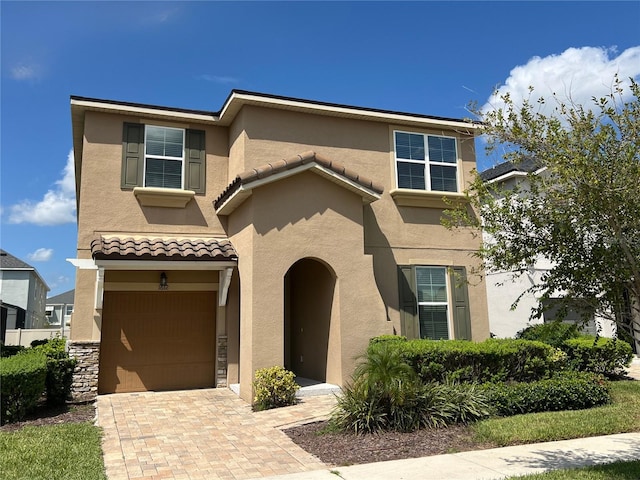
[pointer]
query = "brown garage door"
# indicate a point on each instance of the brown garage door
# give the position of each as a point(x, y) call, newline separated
point(157, 341)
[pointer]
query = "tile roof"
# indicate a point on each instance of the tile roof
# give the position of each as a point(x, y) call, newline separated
point(528, 165)
point(62, 299)
point(8, 262)
point(290, 163)
point(143, 248)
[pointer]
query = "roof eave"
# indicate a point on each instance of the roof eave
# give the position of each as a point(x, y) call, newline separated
point(244, 191)
point(239, 98)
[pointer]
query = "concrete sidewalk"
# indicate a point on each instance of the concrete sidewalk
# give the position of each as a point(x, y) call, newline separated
point(492, 464)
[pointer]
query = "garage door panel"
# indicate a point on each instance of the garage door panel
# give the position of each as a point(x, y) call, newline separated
point(157, 341)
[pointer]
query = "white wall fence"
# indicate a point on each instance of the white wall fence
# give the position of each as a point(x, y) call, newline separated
point(24, 336)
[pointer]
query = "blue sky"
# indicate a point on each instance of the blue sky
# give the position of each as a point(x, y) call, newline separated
point(424, 57)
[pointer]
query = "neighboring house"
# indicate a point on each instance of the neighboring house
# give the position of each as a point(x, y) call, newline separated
point(22, 295)
point(58, 311)
point(277, 231)
point(503, 289)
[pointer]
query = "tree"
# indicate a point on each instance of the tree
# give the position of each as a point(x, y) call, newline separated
point(580, 210)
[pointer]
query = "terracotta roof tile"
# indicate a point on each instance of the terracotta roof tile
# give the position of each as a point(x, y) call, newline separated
point(205, 249)
point(269, 169)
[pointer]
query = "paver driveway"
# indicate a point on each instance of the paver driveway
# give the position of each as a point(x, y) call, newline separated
point(202, 434)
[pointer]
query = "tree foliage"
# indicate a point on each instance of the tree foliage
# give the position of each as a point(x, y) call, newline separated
point(580, 210)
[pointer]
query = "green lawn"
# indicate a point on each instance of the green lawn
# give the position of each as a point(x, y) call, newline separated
point(622, 415)
point(612, 471)
point(55, 452)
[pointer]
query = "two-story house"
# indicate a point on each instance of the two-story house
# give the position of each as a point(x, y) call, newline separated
point(276, 231)
point(58, 311)
point(22, 297)
point(503, 289)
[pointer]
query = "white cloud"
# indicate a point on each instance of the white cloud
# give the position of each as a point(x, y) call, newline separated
point(161, 16)
point(577, 74)
point(218, 79)
point(57, 207)
point(58, 282)
point(41, 255)
point(24, 72)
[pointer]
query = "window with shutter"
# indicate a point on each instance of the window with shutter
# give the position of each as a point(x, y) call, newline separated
point(163, 157)
point(431, 298)
point(433, 302)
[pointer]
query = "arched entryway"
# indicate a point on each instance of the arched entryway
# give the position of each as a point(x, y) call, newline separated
point(309, 288)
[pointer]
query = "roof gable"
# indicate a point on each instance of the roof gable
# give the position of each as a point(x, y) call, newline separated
point(9, 262)
point(65, 298)
point(528, 165)
point(240, 188)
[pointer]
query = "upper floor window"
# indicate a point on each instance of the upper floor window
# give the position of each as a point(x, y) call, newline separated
point(163, 157)
point(426, 162)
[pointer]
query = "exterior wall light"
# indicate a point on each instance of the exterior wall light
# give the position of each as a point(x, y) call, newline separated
point(163, 282)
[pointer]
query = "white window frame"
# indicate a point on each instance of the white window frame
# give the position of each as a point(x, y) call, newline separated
point(164, 157)
point(427, 162)
point(446, 303)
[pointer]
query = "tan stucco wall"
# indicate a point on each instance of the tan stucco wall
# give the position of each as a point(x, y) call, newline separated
point(304, 216)
point(105, 208)
point(393, 234)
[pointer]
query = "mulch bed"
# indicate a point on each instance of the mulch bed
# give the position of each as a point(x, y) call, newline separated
point(331, 448)
point(348, 449)
point(53, 415)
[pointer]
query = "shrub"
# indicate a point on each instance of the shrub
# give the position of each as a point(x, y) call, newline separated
point(22, 382)
point(605, 356)
point(274, 387)
point(553, 333)
point(565, 391)
point(37, 343)
point(59, 370)
point(10, 350)
point(387, 338)
point(386, 394)
point(492, 360)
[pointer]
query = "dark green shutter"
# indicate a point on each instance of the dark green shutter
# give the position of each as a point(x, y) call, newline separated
point(461, 316)
point(195, 177)
point(408, 305)
point(132, 155)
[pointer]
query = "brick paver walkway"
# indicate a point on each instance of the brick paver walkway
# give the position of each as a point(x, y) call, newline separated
point(202, 434)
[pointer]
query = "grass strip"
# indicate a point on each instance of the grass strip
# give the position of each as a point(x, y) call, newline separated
point(611, 471)
point(621, 416)
point(68, 451)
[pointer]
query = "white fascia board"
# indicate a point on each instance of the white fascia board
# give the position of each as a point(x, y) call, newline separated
point(243, 98)
point(138, 110)
point(367, 195)
point(508, 176)
point(516, 173)
point(164, 264)
point(235, 199)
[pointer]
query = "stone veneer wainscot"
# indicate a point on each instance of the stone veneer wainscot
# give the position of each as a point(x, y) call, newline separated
point(85, 375)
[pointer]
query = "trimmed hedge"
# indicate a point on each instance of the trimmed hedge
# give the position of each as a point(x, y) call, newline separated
point(59, 370)
point(604, 356)
point(10, 350)
point(22, 382)
point(494, 360)
point(565, 391)
point(553, 333)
